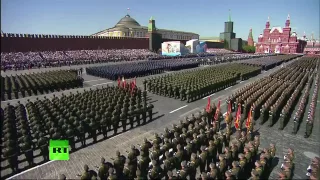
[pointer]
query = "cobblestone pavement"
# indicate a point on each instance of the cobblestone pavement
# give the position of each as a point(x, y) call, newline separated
point(170, 111)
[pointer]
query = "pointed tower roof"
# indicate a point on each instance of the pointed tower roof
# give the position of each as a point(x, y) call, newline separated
point(229, 15)
point(151, 18)
point(250, 33)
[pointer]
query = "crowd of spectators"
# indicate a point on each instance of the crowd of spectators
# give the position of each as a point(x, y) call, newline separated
point(25, 60)
point(219, 51)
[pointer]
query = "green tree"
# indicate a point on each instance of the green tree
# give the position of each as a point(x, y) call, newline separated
point(249, 49)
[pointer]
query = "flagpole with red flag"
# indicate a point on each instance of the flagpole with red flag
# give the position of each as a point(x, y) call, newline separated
point(208, 105)
point(216, 116)
point(248, 122)
point(237, 119)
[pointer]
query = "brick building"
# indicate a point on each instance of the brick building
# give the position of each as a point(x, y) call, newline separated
point(250, 38)
point(279, 40)
point(313, 45)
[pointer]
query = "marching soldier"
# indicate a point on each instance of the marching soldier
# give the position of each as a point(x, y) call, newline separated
point(235, 169)
point(118, 164)
point(222, 165)
point(171, 176)
point(26, 147)
point(70, 136)
point(183, 173)
point(103, 171)
point(309, 127)
point(123, 119)
point(144, 114)
point(263, 114)
point(156, 171)
point(203, 159)
point(104, 126)
point(283, 118)
point(115, 124)
point(144, 164)
point(295, 124)
point(212, 152)
point(213, 171)
point(271, 116)
point(150, 107)
point(43, 143)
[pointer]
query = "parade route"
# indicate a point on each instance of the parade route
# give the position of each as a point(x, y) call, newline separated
point(168, 111)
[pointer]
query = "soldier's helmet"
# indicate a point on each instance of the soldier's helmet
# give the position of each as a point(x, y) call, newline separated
point(203, 148)
point(212, 165)
point(221, 156)
point(62, 177)
point(166, 129)
point(118, 153)
point(183, 164)
point(167, 153)
point(211, 142)
point(102, 160)
point(86, 167)
point(204, 175)
point(111, 170)
point(156, 135)
point(235, 163)
point(154, 162)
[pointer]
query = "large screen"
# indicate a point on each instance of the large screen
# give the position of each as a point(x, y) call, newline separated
point(171, 48)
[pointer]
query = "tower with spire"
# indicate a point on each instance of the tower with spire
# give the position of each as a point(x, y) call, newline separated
point(250, 38)
point(155, 38)
point(228, 33)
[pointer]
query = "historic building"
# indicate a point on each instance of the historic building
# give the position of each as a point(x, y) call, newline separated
point(250, 38)
point(313, 45)
point(279, 40)
point(129, 27)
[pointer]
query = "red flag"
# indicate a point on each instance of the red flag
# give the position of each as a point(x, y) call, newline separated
point(208, 105)
point(216, 116)
point(248, 122)
point(229, 108)
point(119, 81)
point(238, 117)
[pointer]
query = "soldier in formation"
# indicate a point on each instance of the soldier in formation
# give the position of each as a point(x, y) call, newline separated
point(193, 153)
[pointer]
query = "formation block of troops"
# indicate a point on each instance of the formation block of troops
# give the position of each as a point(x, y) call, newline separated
point(270, 62)
point(216, 59)
point(194, 84)
point(312, 107)
point(139, 69)
point(43, 82)
point(189, 150)
point(273, 98)
point(79, 116)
